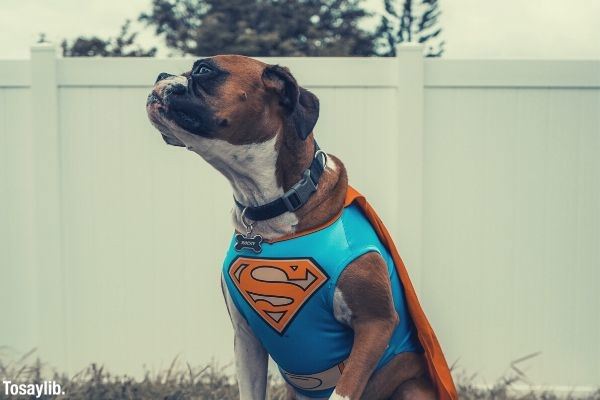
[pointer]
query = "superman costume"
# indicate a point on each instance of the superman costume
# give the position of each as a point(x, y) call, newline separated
point(286, 292)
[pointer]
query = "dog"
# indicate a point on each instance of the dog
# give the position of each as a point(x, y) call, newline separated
point(311, 277)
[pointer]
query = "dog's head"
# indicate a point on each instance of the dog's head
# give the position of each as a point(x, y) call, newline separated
point(230, 98)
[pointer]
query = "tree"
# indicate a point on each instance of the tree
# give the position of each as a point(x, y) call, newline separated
point(414, 23)
point(262, 27)
point(122, 46)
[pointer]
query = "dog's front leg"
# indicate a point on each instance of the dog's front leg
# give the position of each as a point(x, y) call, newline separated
point(250, 356)
point(363, 300)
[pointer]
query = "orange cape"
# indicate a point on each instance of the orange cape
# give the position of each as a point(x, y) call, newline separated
point(436, 362)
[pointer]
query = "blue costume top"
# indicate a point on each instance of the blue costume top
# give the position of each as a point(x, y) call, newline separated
point(286, 295)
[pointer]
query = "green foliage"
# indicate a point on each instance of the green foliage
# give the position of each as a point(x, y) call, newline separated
point(182, 382)
point(272, 28)
point(122, 46)
point(262, 27)
point(410, 22)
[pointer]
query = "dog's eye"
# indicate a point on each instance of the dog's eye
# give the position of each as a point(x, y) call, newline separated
point(202, 70)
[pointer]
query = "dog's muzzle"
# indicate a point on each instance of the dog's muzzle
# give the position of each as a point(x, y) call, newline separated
point(153, 98)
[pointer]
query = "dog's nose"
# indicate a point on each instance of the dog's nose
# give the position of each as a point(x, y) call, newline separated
point(162, 75)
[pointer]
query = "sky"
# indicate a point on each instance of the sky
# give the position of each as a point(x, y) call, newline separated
point(508, 29)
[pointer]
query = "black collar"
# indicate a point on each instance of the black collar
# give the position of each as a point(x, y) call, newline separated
point(294, 198)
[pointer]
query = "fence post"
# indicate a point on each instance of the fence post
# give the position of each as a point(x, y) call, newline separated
point(47, 212)
point(411, 105)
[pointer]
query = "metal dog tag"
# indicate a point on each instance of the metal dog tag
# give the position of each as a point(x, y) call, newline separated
point(248, 242)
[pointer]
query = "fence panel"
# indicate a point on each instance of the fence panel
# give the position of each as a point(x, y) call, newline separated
point(512, 219)
point(486, 172)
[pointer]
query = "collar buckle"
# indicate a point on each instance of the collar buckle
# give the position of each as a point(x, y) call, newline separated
point(299, 194)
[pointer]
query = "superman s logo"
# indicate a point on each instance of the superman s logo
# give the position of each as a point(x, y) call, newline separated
point(276, 288)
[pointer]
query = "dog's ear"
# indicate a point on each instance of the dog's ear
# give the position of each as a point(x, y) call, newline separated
point(301, 105)
point(173, 141)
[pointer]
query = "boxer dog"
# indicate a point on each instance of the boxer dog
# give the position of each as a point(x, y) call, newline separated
point(254, 124)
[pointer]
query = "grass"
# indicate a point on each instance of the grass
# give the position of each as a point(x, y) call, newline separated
point(183, 382)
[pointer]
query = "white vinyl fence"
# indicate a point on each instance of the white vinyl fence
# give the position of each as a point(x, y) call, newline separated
point(486, 172)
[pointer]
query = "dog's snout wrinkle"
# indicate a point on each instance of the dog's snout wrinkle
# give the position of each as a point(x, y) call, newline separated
point(175, 89)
